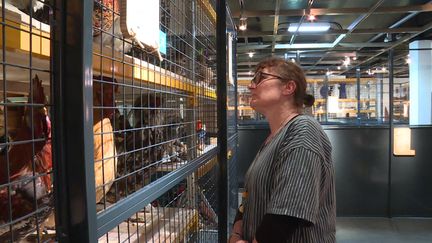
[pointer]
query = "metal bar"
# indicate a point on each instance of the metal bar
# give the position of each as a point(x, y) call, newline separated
point(326, 98)
point(294, 36)
point(358, 75)
point(334, 11)
point(397, 24)
point(352, 26)
point(275, 23)
point(379, 31)
point(73, 127)
point(222, 118)
point(315, 46)
point(399, 42)
point(123, 209)
point(391, 126)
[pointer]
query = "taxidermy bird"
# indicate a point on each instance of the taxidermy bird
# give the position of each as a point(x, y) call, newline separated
point(26, 4)
point(155, 143)
point(104, 14)
point(105, 161)
point(106, 26)
point(27, 170)
point(40, 10)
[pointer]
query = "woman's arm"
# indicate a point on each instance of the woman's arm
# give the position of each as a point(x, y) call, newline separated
point(278, 228)
point(237, 233)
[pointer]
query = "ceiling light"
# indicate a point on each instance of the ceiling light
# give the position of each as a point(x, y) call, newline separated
point(354, 58)
point(293, 60)
point(339, 67)
point(328, 73)
point(243, 24)
point(346, 62)
point(408, 60)
point(311, 17)
point(286, 56)
point(251, 54)
point(384, 69)
point(309, 27)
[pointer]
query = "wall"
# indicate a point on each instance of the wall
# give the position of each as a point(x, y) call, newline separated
point(363, 163)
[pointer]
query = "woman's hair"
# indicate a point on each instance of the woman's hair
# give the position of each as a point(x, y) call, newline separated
point(289, 71)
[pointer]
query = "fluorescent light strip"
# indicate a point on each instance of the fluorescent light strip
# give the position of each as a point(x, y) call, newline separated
point(309, 27)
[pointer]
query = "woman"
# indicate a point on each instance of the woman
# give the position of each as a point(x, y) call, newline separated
point(290, 193)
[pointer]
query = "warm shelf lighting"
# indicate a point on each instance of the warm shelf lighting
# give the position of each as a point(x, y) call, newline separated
point(251, 54)
point(309, 27)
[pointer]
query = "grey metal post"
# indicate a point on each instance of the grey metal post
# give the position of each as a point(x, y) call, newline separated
point(222, 118)
point(379, 98)
point(326, 88)
point(391, 135)
point(73, 122)
point(358, 75)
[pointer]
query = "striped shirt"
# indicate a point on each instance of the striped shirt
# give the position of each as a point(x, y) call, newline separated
point(293, 175)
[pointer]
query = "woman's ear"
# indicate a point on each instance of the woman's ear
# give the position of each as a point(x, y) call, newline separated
point(289, 88)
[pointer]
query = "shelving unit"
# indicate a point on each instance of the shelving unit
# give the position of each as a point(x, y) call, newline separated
point(343, 108)
point(28, 52)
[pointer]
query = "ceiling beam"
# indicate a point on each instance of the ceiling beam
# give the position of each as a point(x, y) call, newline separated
point(314, 46)
point(276, 23)
point(333, 32)
point(353, 26)
point(427, 7)
point(394, 45)
point(294, 36)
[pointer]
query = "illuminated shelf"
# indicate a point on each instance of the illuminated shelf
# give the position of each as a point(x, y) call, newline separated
point(246, 82)
point(347, 100)
point(17, 45)
point(132, 68)
point(211, 13)
point(17, 32)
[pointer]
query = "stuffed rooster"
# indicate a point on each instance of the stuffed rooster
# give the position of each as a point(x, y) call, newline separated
point(27, 170)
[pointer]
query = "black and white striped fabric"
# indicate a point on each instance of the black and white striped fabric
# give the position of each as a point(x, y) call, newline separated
point(293, 175)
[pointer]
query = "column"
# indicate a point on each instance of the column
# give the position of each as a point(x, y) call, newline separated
point(420, 72)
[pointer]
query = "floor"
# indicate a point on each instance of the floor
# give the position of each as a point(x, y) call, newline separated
point(382, 230)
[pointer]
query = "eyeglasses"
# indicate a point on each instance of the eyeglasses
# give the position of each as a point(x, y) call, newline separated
point(260, 77)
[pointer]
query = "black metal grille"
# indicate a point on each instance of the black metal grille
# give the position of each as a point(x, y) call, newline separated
point(187, 212)
point(26, 198)
point(152, 117)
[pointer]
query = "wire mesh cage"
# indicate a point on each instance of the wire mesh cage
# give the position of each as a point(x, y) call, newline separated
point(187, 212)
point(154, 111)
point(26, 166)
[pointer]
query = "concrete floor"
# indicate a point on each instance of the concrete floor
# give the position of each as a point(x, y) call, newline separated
point(382, 230)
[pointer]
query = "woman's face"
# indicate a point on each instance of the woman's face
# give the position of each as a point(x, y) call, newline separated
point(266, 90)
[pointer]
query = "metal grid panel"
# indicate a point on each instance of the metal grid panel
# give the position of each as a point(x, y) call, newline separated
point(26, 199)
point(152, 117)
point(185, 213)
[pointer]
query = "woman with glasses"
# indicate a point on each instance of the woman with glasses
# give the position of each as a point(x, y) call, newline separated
point(289, 187)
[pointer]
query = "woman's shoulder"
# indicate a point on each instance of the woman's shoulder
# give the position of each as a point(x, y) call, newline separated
point(305, 123)
point(304, 131)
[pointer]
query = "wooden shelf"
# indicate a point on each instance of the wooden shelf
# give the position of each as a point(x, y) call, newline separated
point(105, 62)
point(18, 37)
point(211, 13)
point(108, 62)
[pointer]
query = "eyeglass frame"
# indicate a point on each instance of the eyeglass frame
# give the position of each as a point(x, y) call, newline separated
point(258, 74)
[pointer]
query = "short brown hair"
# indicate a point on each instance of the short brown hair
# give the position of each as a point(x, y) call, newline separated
point(289, 71)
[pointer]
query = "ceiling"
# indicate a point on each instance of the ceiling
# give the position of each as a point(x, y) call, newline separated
point(361, 31)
